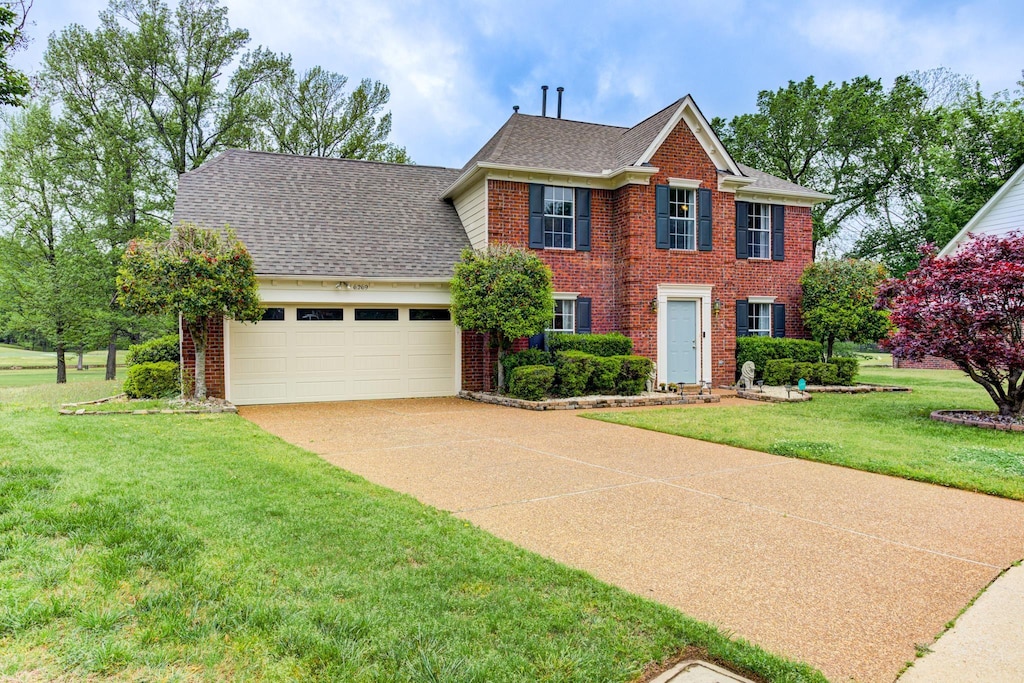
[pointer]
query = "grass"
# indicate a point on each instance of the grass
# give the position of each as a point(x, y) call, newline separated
point(29, 378)
point(200, 548)
point(889, 433)
point(15, 355)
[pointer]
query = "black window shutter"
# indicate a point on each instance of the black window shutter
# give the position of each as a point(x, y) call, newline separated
point(778, 232)
point(536, 216)
point(582, 219)
point(583, 315)
point(704, 219)
point(778, 320)
point(537, 341)
point(661, 216)
point(741, 229)
point(742, 318)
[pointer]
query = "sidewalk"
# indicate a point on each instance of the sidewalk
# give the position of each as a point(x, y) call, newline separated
point(987, 643)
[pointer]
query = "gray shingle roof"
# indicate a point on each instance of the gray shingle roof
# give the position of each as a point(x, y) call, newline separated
point(769, 182)
point(328, 217)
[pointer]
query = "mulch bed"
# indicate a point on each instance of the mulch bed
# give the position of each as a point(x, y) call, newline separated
point(980, 418)
point(586, 402)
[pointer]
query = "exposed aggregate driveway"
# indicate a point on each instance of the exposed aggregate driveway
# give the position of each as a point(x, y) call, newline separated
point(843, 569)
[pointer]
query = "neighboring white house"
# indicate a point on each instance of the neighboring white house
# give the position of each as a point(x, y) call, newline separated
point(1001, 215)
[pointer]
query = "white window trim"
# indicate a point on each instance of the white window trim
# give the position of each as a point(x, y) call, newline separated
point(761, 299)
point(564, 297)
point(767, 218)
point(753, 301)
point(692, 219)
point(572, 217)
point(702, 295)
point(684, 183)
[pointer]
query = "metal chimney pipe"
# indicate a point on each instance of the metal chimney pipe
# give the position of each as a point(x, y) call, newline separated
point(560, 89)
point(515, 109)
point(544, 100)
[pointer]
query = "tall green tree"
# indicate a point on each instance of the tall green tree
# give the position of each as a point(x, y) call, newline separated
point(856, 141)
point(14, 85)
point(197, 275)
point(839, 302)
point(47, 265)
point(313, 114)
point(172, 63)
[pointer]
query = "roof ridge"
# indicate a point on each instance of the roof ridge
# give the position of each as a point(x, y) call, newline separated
point(672, 105)
point(585, 123)
point(323, 158)
point(499, 146)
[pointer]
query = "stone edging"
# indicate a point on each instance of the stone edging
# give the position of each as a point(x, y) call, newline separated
point(585, 402)
point(76, 409)
point(794, 396)
point(855, 389)
point(944, 416)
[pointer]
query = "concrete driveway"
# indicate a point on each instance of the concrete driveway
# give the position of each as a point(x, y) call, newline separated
point(842, 569)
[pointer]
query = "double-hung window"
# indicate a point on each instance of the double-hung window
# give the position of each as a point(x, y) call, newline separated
point(682, 231)
point(564, 319)
point(558, 217)
point(759, 317)
point(759, 230)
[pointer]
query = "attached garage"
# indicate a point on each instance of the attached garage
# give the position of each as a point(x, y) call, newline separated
point(319, 352)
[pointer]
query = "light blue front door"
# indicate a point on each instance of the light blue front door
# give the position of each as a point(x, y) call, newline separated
point(682, 342)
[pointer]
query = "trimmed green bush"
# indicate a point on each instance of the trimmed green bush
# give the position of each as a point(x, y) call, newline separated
point(846, 369)
point(572, 372)
point(525, 357)
point(804, 371)
point(633, 376)
point(760, 350)
point(604, 345)
point(531, 382)
point(154, 351)
point(605, 375)
point(827, 374)
point(779, 371)
point(152, 380)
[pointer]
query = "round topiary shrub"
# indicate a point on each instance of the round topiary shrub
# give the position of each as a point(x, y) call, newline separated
point(153, 380)
point(154, 351)
point(531, 382)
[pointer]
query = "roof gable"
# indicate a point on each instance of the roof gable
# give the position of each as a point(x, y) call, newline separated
point(686, 111)
point(976, 219)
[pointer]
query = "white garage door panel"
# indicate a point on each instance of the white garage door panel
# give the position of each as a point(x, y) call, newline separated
point(289, 361)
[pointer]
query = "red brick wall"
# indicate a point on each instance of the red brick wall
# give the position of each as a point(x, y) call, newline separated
point(622, 271)
point(214, 359)
point(926, 363)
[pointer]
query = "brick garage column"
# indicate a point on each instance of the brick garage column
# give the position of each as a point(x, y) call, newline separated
point(214, 359)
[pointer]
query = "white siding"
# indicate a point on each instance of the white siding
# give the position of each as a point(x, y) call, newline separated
point(1006, 215)
point(472, 208)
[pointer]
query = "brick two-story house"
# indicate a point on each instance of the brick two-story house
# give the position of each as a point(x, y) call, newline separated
point(654, 231)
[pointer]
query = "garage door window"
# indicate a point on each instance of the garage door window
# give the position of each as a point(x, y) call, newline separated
point(374, 314)
point(320, 314)
point(273, 314)
point(426, 314)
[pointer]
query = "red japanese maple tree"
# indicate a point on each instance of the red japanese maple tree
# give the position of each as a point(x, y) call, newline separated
point(967, 307)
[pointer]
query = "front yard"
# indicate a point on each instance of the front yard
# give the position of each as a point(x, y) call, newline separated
point(889, 433)
point(171, 547)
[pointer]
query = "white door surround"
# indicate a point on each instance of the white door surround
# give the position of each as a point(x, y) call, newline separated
point(702, 295)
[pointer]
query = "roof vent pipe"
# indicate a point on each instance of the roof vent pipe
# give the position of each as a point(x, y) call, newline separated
point(544, 100)
point(515, 109)
point(560, 90)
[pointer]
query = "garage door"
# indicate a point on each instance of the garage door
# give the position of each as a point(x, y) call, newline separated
point(316, 353)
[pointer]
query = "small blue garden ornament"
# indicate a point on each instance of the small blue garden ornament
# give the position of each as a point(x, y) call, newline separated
point(802, 384)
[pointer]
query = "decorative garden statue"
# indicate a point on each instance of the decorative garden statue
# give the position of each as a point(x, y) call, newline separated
point(652, 379)
point(747, 375)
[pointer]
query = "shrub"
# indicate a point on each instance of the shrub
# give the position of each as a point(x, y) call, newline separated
point(154, 351)
point(531, 382)
point(636, 370)
point(826, 373)
point(846, 369)
point(605, 345)
point(760, 350)
point(779, 371)
point(152, 380)
point(804, 371)
point(605, 375)
point(525, 357)
point(572, 372)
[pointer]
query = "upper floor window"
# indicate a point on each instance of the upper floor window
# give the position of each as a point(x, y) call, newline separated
point(759, 317)
point(682, 231)
point(558, 217)
point(759, 230)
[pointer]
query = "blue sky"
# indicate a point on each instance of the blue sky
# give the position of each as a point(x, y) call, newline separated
point(456, 68)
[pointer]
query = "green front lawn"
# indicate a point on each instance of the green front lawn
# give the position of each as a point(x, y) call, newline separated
point(889, 433)
point(15, 355)
point(28, 378)
point(201, 548)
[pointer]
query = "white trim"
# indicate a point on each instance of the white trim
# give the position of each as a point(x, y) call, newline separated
point(702, 295)
point(334, 280)
point(684, 183)
point(701, 129)
point(982, 212)
point(458, 358)
point(761, 299)
point(767, 195)
point(608, 179)
point(227, 365)
point(566, 295)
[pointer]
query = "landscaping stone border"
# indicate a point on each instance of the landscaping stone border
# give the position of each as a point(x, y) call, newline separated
point(77, 409)
point(855, 389)
point(954, 417)
point(794, 396)
point(587, 402)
